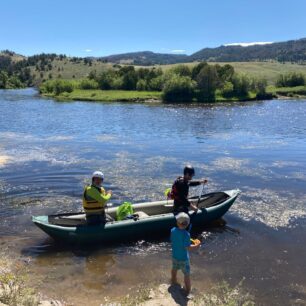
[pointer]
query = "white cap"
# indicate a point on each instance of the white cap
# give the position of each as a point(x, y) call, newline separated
point(98, 174)
point(182, 218)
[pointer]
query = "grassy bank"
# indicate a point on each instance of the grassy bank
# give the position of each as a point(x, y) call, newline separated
point(96, 95)
point(108, 95)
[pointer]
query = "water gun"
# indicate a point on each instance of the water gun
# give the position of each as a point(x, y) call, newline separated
point(195, 241)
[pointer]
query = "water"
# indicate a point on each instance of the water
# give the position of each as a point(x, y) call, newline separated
point(48, 150)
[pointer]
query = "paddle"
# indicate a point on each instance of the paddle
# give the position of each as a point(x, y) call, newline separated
point(195, 212)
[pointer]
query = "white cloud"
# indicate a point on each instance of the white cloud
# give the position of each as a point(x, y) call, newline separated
point(250, 43)
point(87, 50)
point(178, 51)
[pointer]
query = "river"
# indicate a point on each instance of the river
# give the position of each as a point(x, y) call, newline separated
point(49, 149)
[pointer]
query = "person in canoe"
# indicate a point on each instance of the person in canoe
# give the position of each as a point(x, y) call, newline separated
point(94, 200)
point(180, 189)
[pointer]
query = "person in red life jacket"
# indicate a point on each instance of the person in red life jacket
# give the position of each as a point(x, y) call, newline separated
point(180, 190)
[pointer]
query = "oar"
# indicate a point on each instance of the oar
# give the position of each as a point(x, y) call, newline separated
point(200, 194)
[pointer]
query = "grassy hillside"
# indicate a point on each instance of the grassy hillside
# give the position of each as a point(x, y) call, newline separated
point(67, 69)
point(268, 70)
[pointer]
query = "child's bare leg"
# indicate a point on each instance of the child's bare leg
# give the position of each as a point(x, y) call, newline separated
point(174, 276)
point(187, 283)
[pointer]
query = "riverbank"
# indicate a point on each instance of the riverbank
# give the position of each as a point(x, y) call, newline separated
point(15, 290)
point(96, 95)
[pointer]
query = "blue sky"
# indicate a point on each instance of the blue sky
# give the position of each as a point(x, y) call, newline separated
point(99, 27)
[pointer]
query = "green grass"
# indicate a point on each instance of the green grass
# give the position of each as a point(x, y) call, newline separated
point(297, 91)
point(109, 95)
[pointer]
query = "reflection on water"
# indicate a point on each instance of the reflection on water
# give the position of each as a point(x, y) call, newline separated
point(49, 149)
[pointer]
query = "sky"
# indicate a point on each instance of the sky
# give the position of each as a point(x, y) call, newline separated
point(104, 27)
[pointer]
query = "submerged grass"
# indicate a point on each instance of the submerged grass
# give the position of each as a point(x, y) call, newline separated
point(13, 290)
point(220, 295)
point(225, 295)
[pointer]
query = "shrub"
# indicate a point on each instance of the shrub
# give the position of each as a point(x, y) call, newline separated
point(62, 86)
point(291, 80)
point(56, 86)
point(88, 84)
point(227, 90)
point(156, 83)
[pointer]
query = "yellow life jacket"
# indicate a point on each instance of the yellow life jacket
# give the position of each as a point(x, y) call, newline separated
point(94, 199)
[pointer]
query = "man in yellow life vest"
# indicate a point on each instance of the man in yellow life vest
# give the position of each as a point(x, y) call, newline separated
point(94, 200)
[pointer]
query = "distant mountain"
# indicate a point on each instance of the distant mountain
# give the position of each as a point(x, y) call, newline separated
point(146, 58)
point(289, 51)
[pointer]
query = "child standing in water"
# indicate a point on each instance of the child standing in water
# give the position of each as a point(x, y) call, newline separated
point(181, 245)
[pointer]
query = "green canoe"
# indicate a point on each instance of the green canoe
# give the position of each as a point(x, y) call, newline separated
point(155, 218)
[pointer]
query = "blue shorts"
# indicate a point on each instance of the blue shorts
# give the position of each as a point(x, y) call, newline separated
point(183, 265)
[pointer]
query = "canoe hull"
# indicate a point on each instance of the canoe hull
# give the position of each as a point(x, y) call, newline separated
point(130, 229)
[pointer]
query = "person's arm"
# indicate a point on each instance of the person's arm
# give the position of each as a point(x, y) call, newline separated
point(193, 206)
point(197, 182)
point(101, 197)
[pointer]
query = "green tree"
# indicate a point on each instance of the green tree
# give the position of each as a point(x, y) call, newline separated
point(181, 70)
point(106, 79)
point(14, 82)
point(225, 73)
point(129, 77)
point(3, 79)
point(196, 69)
point(141, 85)
point(208, 82)
point(242, 85)
point(178, 89)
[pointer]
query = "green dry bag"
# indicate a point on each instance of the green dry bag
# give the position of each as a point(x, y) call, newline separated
point(124, 210)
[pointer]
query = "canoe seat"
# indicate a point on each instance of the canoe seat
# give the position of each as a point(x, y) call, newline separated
point(141, 214)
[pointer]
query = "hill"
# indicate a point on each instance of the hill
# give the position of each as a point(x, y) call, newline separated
point(146, 58)
point(289, 51)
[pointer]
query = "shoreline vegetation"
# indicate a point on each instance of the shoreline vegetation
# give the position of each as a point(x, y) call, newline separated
point(203, 82)
point(90, 79)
